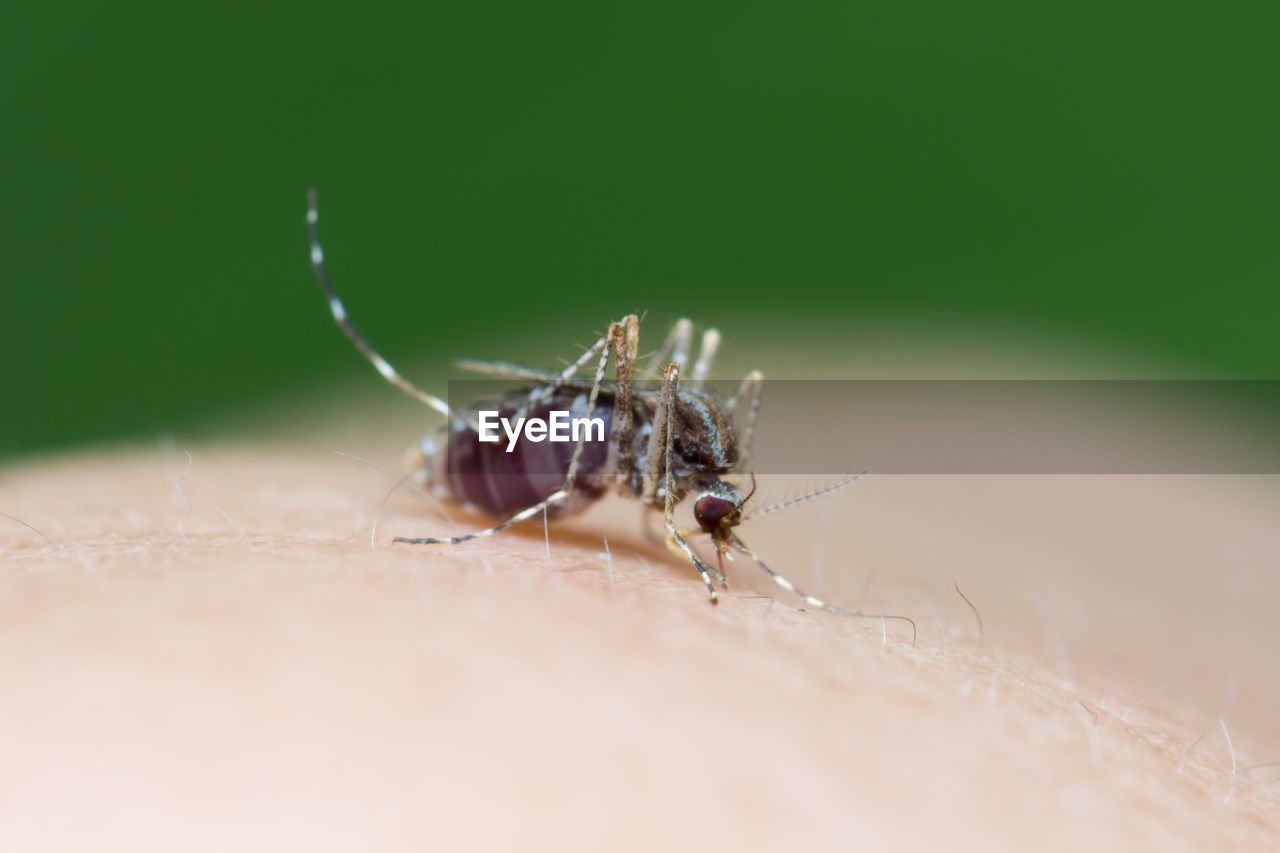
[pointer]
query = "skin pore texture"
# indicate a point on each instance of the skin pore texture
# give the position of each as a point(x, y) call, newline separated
point(211, 655)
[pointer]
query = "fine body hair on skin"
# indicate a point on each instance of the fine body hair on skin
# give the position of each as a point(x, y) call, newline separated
point(265, 678)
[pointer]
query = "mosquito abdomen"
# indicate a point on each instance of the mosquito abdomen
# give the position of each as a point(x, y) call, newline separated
point(499, 482)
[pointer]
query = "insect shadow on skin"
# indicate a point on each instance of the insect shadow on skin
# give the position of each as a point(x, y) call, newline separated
point(662, 446)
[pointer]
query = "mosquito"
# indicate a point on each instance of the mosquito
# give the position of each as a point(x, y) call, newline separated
point(663, 446)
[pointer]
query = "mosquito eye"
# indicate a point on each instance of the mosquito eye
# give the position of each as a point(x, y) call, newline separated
point(710, 511)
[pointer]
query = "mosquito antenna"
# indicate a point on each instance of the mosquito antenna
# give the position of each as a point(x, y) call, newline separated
point(339, 312)
point(812, 600)
point(819, 493)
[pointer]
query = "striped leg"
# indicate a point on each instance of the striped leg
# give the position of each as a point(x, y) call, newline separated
point(619, 336)
point(626, 347)
point(507, 370)
point(665, 418)
point(814, 601)
point(651, 485)
point(658, 455)
point(753, 385)
point(674, 349)
point(646, 526)
point(523, 515)
point(706, 357)
point(339, 312)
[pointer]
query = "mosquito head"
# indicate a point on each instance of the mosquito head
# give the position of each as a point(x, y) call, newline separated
point(718, 507)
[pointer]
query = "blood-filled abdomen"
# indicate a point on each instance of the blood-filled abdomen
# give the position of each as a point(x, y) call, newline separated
point(500, 483)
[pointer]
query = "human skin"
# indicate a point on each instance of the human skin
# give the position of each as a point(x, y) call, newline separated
point(219, 659)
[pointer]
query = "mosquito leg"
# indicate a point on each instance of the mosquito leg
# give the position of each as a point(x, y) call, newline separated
point(626, 344)
point(599, 349)
point(339, 312)
point(524, 514)
point(706, 356)
point(646, 526)
point(651, 484)
point(670, 383)
point(507, 370)
point(674, 349)
point(811, 600)
point(751, 389)
point(750, 384)
point(658, 455)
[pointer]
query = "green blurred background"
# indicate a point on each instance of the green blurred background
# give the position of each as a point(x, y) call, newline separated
point(1101, 171)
